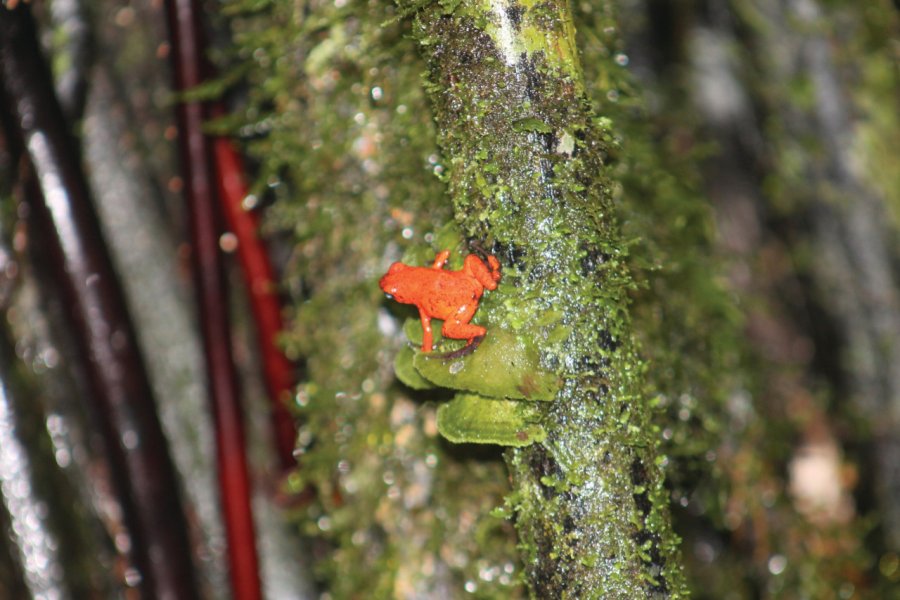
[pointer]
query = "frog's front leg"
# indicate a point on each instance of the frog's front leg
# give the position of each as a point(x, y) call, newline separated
point(426, 331)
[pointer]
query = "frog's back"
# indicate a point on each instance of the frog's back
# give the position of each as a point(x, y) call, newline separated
point(447, 292)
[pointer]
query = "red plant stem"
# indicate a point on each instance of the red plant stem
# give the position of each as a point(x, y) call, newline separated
point(278, 372)
point(120, 396)
point(200, 187)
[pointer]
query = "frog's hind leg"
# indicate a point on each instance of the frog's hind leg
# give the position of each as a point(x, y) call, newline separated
point(486, 274)
point(462, 331)
point(458, 327)
point(441, 259)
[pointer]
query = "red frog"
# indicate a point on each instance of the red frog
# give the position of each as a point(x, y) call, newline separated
point(440, 294)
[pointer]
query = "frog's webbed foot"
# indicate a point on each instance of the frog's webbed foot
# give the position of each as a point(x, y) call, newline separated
point(464, 351)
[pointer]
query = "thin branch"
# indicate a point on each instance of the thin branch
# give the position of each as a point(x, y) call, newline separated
point(259, 275)
point(200, 190)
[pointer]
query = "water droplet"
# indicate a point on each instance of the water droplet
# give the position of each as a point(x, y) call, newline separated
point(122, 542)
point(132, 577)
point(249, 202)
point(488, 573)
point(130, 439)
point(63, 458)
point(228, 242)
point(777, 564)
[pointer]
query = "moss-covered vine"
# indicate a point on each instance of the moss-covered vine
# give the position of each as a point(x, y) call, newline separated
point(526, 170)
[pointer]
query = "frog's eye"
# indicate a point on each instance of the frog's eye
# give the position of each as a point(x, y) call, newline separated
point(397, 266)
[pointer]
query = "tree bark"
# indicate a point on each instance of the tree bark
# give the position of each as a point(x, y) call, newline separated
point(525, 156)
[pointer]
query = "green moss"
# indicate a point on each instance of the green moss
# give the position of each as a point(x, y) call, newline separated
point(528, 178)
point(687, 322)
point(526, 28)
point(336, 119)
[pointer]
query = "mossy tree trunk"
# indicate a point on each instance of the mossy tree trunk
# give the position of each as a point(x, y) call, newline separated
point(525, 156)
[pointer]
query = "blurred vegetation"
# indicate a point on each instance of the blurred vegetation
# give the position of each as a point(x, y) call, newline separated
point(750, 150)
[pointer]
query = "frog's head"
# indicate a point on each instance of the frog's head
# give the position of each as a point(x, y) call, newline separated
point(393, 281)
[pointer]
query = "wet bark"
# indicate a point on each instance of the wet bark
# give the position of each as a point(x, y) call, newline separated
point(528, 181)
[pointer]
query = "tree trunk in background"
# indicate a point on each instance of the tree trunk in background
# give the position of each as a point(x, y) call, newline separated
point(853, 267)
point(797, 100)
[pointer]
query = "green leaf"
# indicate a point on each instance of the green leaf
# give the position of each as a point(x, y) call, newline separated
point(504, 365)
point(406, 373)
point(474, 419)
